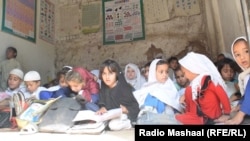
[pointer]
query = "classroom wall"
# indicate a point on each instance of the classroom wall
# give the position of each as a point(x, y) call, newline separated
point(37, 56)
point(211, 32)
point(224, 23)
point(171, 37)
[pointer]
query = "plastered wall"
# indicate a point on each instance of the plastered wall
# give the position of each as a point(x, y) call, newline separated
point(171, 37)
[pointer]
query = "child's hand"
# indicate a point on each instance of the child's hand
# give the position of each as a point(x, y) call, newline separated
point(222, 118)
point(80, 99)
point(80, 92)
point(237, 119)
point(182, 100)
point(124, 109)
point(236, 108)
point(101, 111)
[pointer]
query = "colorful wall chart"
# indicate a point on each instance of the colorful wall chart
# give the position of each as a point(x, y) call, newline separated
point(122, 21)
point(19, 18)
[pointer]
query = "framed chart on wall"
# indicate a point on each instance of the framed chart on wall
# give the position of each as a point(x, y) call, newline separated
point(19, 18)
point(122, 21)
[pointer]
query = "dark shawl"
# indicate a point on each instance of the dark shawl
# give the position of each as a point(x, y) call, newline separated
point(121, 94)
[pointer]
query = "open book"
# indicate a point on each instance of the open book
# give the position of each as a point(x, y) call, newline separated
point(88, 115)
point(37, 108)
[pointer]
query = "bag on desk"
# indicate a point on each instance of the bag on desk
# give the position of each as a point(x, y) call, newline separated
point(58, 118)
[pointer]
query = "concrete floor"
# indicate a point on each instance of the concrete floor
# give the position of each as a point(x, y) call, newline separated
point(125, 135)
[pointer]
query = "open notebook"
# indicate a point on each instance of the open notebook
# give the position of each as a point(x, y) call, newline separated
point(92, 116)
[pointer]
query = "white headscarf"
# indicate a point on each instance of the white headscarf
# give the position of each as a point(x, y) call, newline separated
point(242, 80)
point(232, 46)
point(152, 71)
point(96, 73)
point(202, 65)
point(138, 81)
point(165, 92)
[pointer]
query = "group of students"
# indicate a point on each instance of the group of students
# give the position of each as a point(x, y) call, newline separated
point(201, 97)
point(206, 99)
point(207, 93)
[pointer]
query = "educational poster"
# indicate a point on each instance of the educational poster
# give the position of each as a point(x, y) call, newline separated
point(187, 7)
point(19, 18)
point(91, 17)
point(47, 21)
point(123, 21)
point(155, 11)
point(70, 21)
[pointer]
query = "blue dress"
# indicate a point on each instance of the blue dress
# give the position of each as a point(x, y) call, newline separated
point(245, 107)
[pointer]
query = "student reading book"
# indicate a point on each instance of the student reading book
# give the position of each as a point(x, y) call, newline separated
point(117, 93)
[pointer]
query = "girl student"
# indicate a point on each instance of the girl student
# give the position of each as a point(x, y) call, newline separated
point(82, 82)
point(205, 99)
point(227, 71)
point(158, 98)
point(117, 93)
point(133, 76)
point(240, 51)
point(61, 89)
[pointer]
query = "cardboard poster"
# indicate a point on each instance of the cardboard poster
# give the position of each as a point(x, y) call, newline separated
point(70, 21)
point(91, 17)
point(155, 11)
point(186, 7)
point(47, 21)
